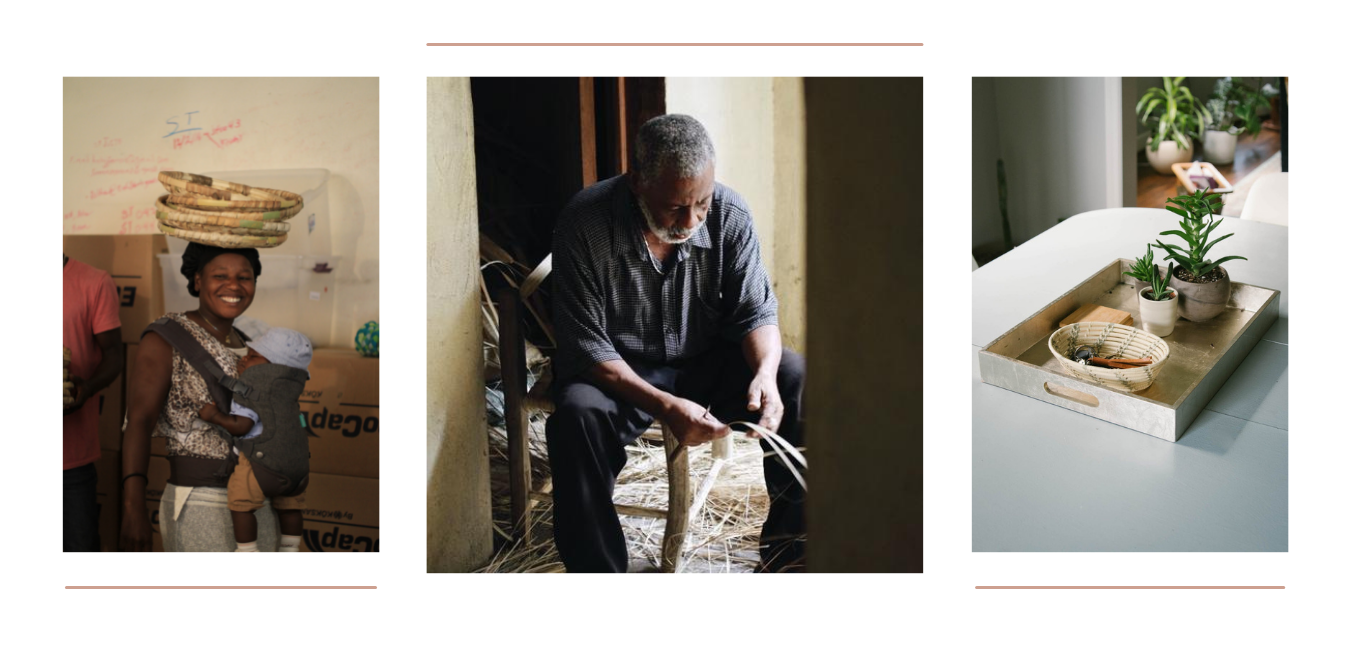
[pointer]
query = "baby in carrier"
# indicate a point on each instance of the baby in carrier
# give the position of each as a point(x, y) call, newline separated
point(269, 436)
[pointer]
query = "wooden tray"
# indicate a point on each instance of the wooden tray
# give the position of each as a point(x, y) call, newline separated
point(1183, 173)
point(1203, 356)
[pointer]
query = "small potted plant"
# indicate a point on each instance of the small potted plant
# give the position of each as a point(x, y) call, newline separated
point(1232, 109)
point(1176, 117)
point(1202, 285)
point(1157, 301)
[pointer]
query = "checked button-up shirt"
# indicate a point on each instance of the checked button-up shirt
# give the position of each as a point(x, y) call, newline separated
point(613, 300)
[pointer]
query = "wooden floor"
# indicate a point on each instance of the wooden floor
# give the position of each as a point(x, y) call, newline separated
point(1155, 188)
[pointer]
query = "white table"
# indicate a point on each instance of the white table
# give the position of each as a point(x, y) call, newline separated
point(1049, 479)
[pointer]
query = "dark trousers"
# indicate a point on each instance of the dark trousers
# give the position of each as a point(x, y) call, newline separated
point(589, 429)
point(80, 514)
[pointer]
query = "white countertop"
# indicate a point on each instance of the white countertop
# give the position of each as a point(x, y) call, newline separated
point(1049, 479)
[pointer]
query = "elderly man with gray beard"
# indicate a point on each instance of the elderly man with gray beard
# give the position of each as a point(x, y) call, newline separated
point(663, 310)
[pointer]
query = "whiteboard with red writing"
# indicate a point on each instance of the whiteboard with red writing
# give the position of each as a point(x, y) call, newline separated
point(120, 133)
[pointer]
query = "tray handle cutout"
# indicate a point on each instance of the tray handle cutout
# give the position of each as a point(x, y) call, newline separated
point(1072, 395)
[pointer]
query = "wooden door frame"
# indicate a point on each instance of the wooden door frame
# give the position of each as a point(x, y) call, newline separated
point(612, 111)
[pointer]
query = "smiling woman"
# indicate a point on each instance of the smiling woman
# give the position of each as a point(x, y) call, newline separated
point(224, 281)
point(164, 402)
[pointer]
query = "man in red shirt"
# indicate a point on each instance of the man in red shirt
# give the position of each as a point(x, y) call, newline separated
point(92, 332)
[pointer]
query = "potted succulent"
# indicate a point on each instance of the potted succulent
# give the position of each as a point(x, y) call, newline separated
point(1157, 301)
point(1202, 285)
point(1232, 108)
point(1176, 117)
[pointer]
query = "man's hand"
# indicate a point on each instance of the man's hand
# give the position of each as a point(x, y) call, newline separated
point(692, 424)
point(210, 410)
point(763, 398)
point(77, 393)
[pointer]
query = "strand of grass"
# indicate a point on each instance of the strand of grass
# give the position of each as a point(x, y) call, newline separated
point(779, 445)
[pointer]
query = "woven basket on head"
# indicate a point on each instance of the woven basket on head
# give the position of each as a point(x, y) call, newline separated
point(1109, 340)
point(223, 240)
point(285, 200)
point(208, 222)
point(222, 230)
point(206, 193)
point(185, 183)
point(251, 214)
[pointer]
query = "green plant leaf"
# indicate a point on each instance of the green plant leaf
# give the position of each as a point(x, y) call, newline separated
point(1205, 251)
point(1204, 237)
point(1151, 105)
point(1176, 254)
point(1209, 266)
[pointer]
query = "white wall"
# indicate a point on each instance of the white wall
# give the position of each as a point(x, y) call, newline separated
point(986, 220)
point(1059, 140)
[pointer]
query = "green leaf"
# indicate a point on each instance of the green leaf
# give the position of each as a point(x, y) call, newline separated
point(1206, 237)
point(1205, 251)
point(1209, 266)
point(1173, 252)
point(1175, 210)
point(1151, 105)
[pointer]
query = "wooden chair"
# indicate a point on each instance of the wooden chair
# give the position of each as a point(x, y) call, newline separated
point(520, 404)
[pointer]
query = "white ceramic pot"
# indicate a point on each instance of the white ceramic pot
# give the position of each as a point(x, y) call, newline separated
point(1168, 152)
point(1220, 147)
point(1159, 316)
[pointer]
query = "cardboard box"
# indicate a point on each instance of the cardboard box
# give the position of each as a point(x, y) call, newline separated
point(341, 404)
point(132, 262)
point(342, 514)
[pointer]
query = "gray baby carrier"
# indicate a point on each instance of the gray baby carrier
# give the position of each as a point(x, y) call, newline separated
point(280, 454)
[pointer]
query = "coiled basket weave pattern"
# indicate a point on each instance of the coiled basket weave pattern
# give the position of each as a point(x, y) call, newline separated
point(220, 213)
point(1110, 341)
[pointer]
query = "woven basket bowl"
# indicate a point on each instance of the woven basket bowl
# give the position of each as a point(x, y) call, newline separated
point(223, 240)
point(222, 230)
point(194, 201)
point(162, 205)
point(185, 183)
point(1109, 340)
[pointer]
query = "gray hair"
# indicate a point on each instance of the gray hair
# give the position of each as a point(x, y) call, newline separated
point(675, 143)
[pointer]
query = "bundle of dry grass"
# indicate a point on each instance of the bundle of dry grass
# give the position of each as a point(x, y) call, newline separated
point(724, 538)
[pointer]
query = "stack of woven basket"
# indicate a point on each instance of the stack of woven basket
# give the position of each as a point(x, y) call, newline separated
point(220, 213)
point(68, 387)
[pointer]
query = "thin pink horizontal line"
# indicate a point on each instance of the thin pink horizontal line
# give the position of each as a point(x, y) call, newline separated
point(225, 587)
point(631, 45)
point(1130, 587)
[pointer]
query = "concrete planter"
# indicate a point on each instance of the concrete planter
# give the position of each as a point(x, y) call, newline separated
point(1168, 152)
point(1202, 301)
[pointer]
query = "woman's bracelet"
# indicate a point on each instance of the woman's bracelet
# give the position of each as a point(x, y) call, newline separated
point(124, 478)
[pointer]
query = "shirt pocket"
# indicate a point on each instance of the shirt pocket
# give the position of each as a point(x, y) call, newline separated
point(632, 311)
point(703, 324)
